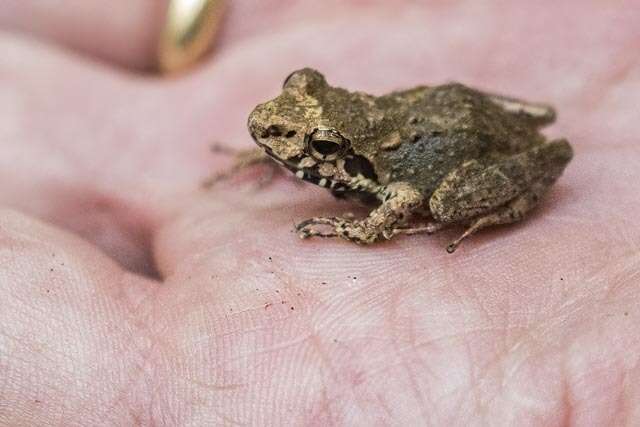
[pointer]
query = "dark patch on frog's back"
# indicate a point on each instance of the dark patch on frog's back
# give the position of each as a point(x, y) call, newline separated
point(442, 126)
point(458, 108)
point(425, 162)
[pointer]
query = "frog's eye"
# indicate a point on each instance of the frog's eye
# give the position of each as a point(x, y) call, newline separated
point(326, 144)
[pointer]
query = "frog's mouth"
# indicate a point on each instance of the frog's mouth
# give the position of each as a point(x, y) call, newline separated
point(309, 174)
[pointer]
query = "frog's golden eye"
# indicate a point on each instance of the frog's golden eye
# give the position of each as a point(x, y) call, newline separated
point(326, 144)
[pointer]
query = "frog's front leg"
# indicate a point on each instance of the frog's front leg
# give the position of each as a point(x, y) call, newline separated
point(503, 192)
point(399, 200)
point(243, 159)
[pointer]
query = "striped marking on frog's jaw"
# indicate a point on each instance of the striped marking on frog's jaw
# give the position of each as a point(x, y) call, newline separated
point(347, 174)
point(339, 182)
point(307, 169)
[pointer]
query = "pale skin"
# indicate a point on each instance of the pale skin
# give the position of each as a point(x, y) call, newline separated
point(534, 323)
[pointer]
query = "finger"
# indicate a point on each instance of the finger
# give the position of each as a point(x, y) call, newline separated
point(94, 151)
point(50, 164)
point(72, 346)
point(124, 32)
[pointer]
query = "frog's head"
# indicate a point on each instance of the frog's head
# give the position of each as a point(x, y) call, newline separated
point(319, 132)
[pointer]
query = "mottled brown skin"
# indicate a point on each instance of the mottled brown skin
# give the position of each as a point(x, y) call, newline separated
point(450, 153)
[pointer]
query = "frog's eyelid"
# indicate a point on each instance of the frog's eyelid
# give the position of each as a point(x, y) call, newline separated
point(284, 84)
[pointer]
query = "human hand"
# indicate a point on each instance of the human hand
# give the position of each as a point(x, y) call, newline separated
point(530, 324)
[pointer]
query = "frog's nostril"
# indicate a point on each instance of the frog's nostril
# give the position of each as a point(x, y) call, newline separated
point(274, 130)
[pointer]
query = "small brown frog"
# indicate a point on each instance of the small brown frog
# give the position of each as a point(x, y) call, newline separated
point(422, 158)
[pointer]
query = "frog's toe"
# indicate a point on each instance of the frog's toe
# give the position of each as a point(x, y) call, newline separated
point(353, 231)
point(308, 228)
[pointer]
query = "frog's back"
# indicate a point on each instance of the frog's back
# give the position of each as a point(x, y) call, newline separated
point(449, 124)
point(457, 109)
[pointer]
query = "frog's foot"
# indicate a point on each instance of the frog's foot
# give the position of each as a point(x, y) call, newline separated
point(242, 160)
point(400, 201)
point(359, 232)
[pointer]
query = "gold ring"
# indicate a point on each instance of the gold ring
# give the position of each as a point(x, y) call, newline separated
point(190, 28)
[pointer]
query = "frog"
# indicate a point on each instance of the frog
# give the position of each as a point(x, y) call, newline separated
point(420, 159)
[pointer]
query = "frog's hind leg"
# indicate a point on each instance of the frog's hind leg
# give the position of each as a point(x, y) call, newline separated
point(514, 211)
point(539, 114)
point(429, 227)
point(498, 193)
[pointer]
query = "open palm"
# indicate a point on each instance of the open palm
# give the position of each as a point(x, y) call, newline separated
point(136, 297)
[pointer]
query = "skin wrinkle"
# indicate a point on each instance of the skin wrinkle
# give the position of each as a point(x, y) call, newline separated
point(274, 348)
point(41, 347)
point(496, 362)
point(244, 331)
point(456, 391)
point(628, 270)
point(140, 374)
point(345, 307)
point(445, 337)
point(631, 244)
point(332, 374)
point(573, 389)
point(352, 386)
point(216, 337)
point(618, 392)
point(426, 406)
point(218, 389)
point(319, 346)
point(27, 361)
point(510, 377)
point(475, 385)
point(588, 374)
point(54, 362)
point(628, 382)
point(474, 389)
